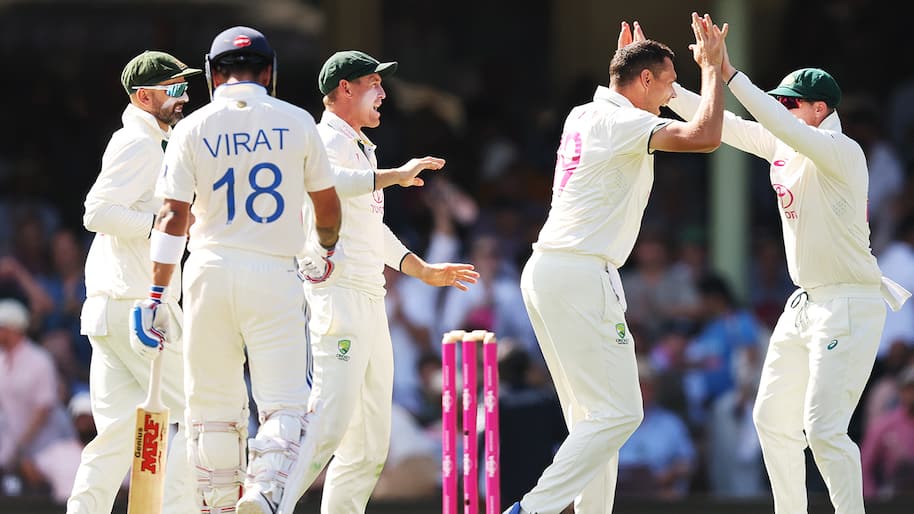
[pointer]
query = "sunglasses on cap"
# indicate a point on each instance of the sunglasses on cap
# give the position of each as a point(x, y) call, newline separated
point(173, 90)
point(790, 102)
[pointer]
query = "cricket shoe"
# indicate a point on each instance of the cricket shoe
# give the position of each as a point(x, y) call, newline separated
point(255, 501)
point(515, 509)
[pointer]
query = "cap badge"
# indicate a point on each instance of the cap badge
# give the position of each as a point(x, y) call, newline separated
point(242, 41)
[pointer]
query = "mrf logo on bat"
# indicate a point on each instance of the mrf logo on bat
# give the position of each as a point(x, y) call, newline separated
point(147, 444)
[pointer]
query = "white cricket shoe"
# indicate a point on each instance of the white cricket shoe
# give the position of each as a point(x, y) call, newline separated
point(254, 501)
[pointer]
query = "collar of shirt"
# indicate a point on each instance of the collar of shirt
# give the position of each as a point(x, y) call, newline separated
point(138, 118)
point(608, 95)
point(338, 124)
point(238, 90)
point(831, 122)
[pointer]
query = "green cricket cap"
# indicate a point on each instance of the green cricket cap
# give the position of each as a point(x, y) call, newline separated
point(810, 84)
point(350, 65)
point(152, 67)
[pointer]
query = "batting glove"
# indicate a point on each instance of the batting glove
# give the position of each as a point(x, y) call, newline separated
point(147, 329)
point(320, 264)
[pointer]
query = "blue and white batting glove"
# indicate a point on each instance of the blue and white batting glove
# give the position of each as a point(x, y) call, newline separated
point(147, 330)
point(320, 264)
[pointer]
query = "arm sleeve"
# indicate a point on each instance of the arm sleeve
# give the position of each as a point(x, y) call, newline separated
point(745, 135)
point(128, 172)
point(394, 250)
point(349, 181)
point(318, 174)
point(632, 130)
point(818, 145)
point(177, 180)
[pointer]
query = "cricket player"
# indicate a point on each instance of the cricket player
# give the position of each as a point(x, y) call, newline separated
point(350, 337)
point(120, 209)
point(246, 161)
point(571, 284)
point(824, 344)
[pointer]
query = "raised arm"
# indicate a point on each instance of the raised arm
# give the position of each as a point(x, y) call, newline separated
point(703, 132)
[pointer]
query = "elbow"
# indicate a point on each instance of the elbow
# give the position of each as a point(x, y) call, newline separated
point(90, 220)
point(709, 143)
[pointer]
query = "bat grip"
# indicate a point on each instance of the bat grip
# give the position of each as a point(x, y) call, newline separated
point(154, 396)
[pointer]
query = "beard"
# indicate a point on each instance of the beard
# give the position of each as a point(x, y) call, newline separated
point(168, 112)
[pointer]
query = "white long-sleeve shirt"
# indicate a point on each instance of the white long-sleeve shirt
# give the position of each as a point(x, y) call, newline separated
point(820, 178)
point(368, 243)
point(120, 209)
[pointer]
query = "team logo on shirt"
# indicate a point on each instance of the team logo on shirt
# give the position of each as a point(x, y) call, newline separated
point(343, 345)
point(832, 344)
point(620, 331)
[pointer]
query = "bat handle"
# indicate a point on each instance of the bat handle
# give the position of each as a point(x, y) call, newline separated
point(154, 396)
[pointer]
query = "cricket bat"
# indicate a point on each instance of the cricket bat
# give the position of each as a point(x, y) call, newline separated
point(147, 476)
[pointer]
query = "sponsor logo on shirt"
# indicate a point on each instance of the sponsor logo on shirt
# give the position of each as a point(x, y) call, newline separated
point(832, 344)
point(786, 199)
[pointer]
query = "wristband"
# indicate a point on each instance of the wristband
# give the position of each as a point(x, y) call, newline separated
point(166, 248)
point(735, 73)
point(156, 293)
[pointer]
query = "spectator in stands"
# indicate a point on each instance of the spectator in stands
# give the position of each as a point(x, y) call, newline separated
point(734, 455)
point(530, 416)
point(727, 329)
point(897, 261)
point(495, 304)
point(410, 314)
point(66, 287)
point(659, 457)
point(887, 452)
point(656, 290)
point(861, 119)
point(30, 408)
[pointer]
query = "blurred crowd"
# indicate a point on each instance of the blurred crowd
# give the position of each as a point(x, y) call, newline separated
point(700, 345)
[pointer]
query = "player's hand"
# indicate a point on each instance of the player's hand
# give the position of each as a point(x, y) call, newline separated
point(709, 46)
point(319, 264)
point(627, 36)
point(448, 274)
point(148, 328)
point(407, 175)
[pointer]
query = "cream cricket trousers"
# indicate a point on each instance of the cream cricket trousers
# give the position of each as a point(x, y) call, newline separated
point(236, 300)
point(118, 382)
point(580, 324)
point(820, 357)
point(352, 395)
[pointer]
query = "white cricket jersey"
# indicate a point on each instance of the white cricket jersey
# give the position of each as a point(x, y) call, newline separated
point(120, 209)
point(367, 242)
point(820, 178)
point(245, 161)
point(604, 173)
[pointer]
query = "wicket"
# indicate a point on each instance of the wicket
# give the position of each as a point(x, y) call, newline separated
point(469, 340)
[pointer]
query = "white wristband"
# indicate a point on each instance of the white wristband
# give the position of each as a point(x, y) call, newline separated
point(166, 248)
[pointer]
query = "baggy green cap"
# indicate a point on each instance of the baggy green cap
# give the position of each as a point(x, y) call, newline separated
point(810, 84)
point(350, 65)
point(152, 67)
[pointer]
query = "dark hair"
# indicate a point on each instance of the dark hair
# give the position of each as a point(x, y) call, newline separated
point(628, 61)
point(715, 285)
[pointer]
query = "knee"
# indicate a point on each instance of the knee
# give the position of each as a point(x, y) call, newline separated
point(762, 418)
point(821, 438)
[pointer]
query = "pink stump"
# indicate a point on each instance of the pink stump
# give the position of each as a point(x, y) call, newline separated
point(470, 446)
point(449, 422)
point(492, 434)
